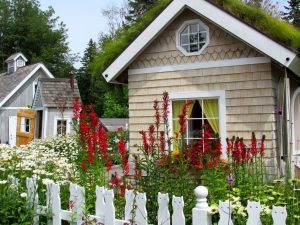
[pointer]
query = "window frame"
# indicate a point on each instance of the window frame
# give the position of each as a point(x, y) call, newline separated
point(181, 29)
point(24, 125)
point(196, 95)
point(295, 95)
point(34, 88)
point(68, 126)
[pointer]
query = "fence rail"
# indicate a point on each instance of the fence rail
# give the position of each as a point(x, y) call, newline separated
point(135, 208)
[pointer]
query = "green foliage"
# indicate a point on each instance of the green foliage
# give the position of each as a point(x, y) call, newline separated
point(84, 74)
point(37, 34)
point(137, 8)
point(13, 205)
point(115, 103)
point(293, 12)
point(113, 47)
point(277, 29)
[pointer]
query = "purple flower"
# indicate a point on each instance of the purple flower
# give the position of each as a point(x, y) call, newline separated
point(230, 180)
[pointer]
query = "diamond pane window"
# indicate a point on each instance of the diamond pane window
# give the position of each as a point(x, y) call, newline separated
point(192, 37)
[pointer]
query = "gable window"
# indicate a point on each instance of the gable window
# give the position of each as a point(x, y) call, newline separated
point(207, 109)
point(34, 88)
point(25, 125)
point(192, 37)
point(62, 126)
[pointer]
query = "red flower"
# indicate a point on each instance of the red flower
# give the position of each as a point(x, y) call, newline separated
point(162, 141)
point(156, 115)
point(165, 107)
point(145, 142)
point(152, 138)
point(183, 117)
point(121, 145)
point(253, 145)
point(76, 108)
point(116, 182)
point(94, 121)
point(83, 165)
point(102, 141)
point(262, 146)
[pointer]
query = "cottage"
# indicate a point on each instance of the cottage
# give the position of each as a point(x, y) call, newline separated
point(53, 103)
point(238, 79)
point(17, 89)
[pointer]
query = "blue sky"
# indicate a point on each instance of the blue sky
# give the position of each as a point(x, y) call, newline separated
point(83, 19)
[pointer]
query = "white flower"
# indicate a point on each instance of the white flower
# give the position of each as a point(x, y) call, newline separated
point(23, 195)
point(213, 209)
point(13, 186)
point(47, 181)
point(3, 181)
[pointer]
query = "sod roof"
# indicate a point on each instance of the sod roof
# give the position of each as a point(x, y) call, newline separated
point(278, 30)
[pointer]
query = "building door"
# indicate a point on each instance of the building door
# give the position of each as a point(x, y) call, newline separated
point(12, 130)
point(25, 126)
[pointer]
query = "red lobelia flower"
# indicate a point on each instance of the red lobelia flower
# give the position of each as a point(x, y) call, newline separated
point(145, 142)
point(76, 108)
point(157, 114)
point(253, 145)
point(262, 146)
point(162, 141)
point(165, 106)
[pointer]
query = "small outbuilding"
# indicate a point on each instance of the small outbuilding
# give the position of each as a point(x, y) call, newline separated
point(53, 103)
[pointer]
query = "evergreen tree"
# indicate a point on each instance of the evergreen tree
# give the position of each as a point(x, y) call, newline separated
point(84, 74)
point(293, 12)
point(37, 34)
point(137, 8)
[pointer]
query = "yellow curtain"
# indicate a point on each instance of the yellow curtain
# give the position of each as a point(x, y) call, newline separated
point(176, 111)
point(211, 112)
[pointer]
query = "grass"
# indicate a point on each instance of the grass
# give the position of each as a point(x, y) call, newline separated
point(277, 29)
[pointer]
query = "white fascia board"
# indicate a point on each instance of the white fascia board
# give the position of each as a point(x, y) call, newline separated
point(24, 81)
point(143, 40)
point(217, 16)
point(48, 73)
point(20, 54)
point(201, 65)
point(244, 32)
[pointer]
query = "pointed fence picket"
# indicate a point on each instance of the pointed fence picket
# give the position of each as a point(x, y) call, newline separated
point(135, 208)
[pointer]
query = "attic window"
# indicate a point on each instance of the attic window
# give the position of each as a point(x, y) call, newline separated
point(192, 37)
point(20, 63)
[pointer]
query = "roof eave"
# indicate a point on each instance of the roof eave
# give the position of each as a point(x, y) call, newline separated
point(39, 66)
point(143, 41)
point(235, 27)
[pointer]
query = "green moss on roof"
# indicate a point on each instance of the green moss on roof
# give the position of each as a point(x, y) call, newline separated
point(276, 29)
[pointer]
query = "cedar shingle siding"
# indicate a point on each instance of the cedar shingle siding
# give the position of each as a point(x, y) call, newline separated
point(250, 89)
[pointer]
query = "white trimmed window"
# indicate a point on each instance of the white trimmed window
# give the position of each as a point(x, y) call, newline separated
point(192, 37)
point(206, 108)
point(25, 125)
point(62, 126)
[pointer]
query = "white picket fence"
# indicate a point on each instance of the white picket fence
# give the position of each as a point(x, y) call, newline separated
point(135, 208)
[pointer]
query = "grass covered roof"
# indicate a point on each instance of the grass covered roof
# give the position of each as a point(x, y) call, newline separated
point(278, 30)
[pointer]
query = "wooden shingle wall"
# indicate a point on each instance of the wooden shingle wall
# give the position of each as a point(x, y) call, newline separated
point(250, 98)
point(250, 89)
